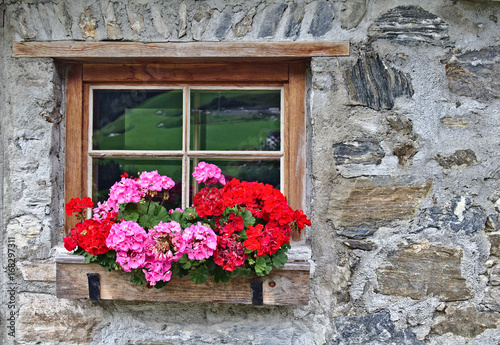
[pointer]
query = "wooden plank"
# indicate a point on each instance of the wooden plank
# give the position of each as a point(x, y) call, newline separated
point(286, 286)
point(74, 132)
point(99, 50)
point(224, 72)
point(297, 141)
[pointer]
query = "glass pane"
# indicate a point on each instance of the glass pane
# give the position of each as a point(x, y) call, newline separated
point(106, 171)
point(265, 171)
point(239, 120)
point(137, 119)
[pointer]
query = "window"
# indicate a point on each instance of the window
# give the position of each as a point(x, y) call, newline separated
point(248, 118)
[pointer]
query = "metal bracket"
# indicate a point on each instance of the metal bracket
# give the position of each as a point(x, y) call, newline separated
point(257, 293)
point(94, 287)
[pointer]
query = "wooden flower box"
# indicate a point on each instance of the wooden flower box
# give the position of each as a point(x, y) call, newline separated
point(288, 285)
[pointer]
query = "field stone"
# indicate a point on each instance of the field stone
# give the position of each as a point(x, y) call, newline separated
point(374, 329)
point(459, 158)
point(475, 74)
point(464, 320)
point(45, 318)
point(410, 25)
point(322, 21)
point(420, 270)
point(372, 83)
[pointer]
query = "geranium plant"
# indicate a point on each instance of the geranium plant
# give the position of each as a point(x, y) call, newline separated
point(236, 229)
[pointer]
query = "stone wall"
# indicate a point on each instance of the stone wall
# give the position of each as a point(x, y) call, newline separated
point(403, 173)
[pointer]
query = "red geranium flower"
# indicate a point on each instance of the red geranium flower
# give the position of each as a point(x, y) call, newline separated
point(77, 205)
point(230, 253)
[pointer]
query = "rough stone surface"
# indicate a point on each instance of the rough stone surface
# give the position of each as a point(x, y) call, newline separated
point(44, 318)
point(272, 17)
point(113, 29)
point(494, 275)
point(225, 23)
point(88, 24)
point(455, 122)
point(457, 159)
point(38, 271)
point(361, 211)
point(371, 329)
point(358, 152)
point(410, 25)
point(405, 153)
point(295, 17)
point(245, 24)
point(373, 84)
point(475, 74)
point(464, 320)
point(322, 21)
point(356, 244)
point(491, 300)
point(495, 244)
point(182, 20)
point(420, 270)
point(352, 13)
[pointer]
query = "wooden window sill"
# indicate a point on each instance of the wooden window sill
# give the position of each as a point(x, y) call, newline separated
point(288, 285)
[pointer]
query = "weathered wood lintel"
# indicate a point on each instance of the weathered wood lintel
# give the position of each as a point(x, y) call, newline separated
point(99, 51)
point(288, 285)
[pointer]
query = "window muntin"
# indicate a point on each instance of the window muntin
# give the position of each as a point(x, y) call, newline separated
point(138, 128)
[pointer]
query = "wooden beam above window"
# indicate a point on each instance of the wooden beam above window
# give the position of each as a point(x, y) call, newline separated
point(100, 51)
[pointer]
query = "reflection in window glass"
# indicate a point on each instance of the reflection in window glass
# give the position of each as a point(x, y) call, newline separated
point(137, 119)
point(107, 171)
point(239, 120)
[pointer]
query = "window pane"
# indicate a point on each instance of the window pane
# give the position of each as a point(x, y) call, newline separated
point(240, 120)
point(137, 119)
point(106, 171)
point(265, 171)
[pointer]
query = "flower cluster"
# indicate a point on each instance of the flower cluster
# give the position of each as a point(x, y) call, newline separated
point(208, 174)
point(90, 235)
point(236, 230)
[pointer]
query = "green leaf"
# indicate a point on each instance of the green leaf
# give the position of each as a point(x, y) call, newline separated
point(199, 275)
point(107, 260)
point(160, 284)
point(161, 213)
point(279, 258)
point(137, 276)
point(221, 276)
point(248, 219)
point(89, 258)
point(186, 265)
point(129, 212)
point(241, 272)
point(184, 258)
point(263, 265)
point(176, 216)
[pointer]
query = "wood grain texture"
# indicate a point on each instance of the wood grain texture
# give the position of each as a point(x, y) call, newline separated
point(74, 136)
point(185, 73)
point(297, 140)
point(99, 50)
point(286, 286)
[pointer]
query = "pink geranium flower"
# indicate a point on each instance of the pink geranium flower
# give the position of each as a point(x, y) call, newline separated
point(208, 174)
point(201, 241)
point(167, 241)
point(126, 190)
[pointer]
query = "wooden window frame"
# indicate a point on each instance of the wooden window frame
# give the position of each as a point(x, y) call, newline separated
point(291, 76)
